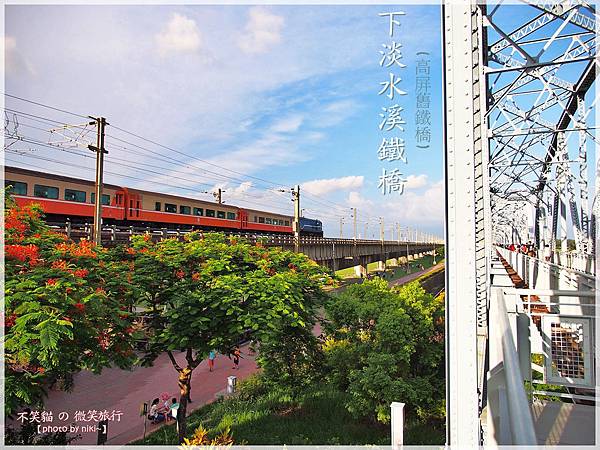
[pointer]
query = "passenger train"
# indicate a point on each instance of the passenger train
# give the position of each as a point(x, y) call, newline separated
point(64, 198)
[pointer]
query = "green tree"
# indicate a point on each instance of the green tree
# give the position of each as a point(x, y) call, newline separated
point(384, 345)
point(207, 291)
point(64, 312)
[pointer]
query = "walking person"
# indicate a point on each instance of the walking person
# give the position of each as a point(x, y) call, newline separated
point(211, 360)
point(236, 358)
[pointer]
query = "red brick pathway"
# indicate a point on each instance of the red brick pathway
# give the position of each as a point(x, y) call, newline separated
point(117, 389)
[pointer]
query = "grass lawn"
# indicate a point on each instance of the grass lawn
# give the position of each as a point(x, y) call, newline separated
point(273, 418)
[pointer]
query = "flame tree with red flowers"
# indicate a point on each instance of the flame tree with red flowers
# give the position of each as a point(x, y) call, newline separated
point(208, 291)
point(65, 308)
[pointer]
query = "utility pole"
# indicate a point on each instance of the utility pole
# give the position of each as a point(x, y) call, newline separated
point(296, 199)
point(407, 239)
point(341, 227)
point(366, 230)
point(398, 231)
point(382, 230)
point(100, 151)
point(218, 195)
point(354, 217)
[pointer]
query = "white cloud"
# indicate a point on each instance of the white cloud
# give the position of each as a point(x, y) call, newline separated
point(262, 31)
point(270, 150)
point(180, 35)
point(415, 181)
point(320, 187)
point(288, 124)
point(335, 113)
point(14, 60)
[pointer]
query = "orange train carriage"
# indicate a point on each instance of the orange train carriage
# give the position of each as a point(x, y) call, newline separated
point(65, 198)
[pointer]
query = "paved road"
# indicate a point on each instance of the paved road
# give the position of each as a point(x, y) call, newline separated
point(116, 389)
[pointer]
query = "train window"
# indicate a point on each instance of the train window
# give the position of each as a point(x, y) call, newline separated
point(198, 211)
point(287, 223)
point(210, 213)
point(157, 206)
point(45, 191)
point(18, 187)
point(221, 214)
point(231, 216)
point(105, 198)
point(185, 209)
point(74, 196)
point(169, 207)
point(255, 219)
point(268, 220)
point(261, 220)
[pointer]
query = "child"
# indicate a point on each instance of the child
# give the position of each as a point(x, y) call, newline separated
point(211, 360)
point(174, 408)
point(236, 358)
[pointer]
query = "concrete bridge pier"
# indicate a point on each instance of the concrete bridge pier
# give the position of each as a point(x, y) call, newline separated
point(361, 266)
point(380, 265)
point(358, 270)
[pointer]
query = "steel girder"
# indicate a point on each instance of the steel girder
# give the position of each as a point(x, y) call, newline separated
point(540, 71)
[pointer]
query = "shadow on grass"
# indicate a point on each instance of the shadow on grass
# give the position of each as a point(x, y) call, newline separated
point(274, 418)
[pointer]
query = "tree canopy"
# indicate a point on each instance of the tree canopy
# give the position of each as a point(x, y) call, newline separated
point(386, 345)
point(65, 310)
point(208, 291)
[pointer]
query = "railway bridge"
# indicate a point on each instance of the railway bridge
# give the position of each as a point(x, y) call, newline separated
point(520, 96)
point(334, 253)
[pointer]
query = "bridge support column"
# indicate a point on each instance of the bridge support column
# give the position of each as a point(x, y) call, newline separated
point(360, 270)
point(381, 265)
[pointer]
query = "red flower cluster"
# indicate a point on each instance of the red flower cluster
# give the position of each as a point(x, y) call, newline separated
point(15, 221)
point(59, 264)
point(81, 273)
point(103, 339)
point(13, 224)
point(22, 253)
point(180, 274)
point(195, 276)
point(83, 248)
point(51, 282)
point(100, 291)
point(80, 307)
point(10, 320)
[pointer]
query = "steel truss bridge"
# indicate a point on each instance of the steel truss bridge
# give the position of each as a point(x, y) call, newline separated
point(520, 132)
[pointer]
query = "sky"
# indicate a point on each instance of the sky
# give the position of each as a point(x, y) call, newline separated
point(249, 99)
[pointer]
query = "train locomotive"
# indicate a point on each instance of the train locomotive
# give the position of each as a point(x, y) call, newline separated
point(64, 198)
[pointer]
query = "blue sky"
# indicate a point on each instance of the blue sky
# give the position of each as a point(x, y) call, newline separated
point(287, 94)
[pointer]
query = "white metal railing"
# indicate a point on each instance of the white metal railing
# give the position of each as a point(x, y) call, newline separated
point(539, 274)
point(560, 330)
point(512, 423)
point(566, 261)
